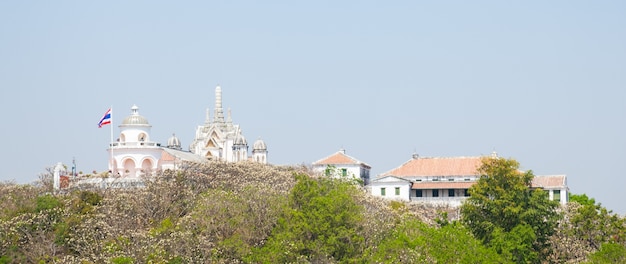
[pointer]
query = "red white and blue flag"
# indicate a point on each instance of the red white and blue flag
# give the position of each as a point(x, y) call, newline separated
point(106, 119)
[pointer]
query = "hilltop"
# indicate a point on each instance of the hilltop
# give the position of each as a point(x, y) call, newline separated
point(254, 213)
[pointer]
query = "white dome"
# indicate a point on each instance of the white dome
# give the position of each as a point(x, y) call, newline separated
point(135, 118)
point(241, 140)
point(259, 144)
point(173, 142)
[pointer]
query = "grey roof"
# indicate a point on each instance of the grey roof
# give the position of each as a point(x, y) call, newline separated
point(184, 155)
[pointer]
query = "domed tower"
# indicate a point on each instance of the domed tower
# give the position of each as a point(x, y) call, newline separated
point(134, 154)
point(259, 151)
point(135, 128)
point(174, 143)
point(240, 148)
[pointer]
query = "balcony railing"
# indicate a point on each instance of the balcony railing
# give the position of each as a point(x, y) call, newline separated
point(134, 144)
point(456, 200)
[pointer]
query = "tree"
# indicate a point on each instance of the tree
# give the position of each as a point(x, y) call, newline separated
point(586, 226)
point(595, 224)
point(321, 223)
point(503, 206)
point(609, 253)
point(412, 241)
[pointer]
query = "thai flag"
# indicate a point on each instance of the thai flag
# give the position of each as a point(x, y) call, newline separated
point(106, 119)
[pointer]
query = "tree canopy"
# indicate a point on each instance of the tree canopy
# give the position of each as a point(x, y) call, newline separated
point(504, 211)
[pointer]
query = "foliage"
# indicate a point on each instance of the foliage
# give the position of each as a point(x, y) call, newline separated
point(503, 206)
point(412, 241)
point(585, 227)
point(253, 213)
point(320, 223)
point(582, 199)
point(516, 244)
point(17, 199)
point(609, 253)
point(47, 202)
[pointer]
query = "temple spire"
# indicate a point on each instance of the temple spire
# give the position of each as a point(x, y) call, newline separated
point(219, 111)
point(230, 116)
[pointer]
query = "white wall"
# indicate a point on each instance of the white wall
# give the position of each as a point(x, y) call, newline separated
point(390, 189)
point(353, 171)
point(562, 195)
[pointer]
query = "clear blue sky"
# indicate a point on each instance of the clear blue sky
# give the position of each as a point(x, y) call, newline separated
point(543, 82)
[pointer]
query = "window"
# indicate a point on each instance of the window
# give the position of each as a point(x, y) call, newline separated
point(450, 192)
point(344, 172)
point(418, 193)
point(556, 195)
point(466, 192)
point(382, 191)
point(397, 190)
point(435, 193)
point(436, 179)
point(451, 179)
point(467, 179)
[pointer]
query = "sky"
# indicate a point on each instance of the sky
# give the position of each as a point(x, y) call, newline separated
point(543, 82)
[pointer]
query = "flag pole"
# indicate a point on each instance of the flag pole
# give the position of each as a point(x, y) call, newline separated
point(111, 145)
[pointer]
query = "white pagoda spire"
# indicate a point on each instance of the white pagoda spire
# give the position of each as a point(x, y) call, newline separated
point(219, 111)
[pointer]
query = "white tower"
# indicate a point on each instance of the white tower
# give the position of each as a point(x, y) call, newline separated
point(259, 151)
point(240, 148)
point(134, 154)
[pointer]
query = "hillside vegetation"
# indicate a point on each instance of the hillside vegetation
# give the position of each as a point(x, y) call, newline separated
point(253, 213)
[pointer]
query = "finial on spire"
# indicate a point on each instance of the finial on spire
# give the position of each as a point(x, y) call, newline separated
point(134, 110)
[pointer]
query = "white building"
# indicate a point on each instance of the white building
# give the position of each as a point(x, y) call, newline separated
point(344, 166)
point(446, 180)
point(221, 140)
point(135, 154)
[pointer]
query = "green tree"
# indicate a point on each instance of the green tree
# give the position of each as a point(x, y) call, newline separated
point(586, 226)
point(609, 253)
point(594, 223)
point(412, 241)
point(582, 199)
point(320, 224)
point(502, 206)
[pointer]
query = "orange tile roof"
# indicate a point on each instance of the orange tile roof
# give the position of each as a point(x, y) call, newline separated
point(549, 181)
point(442, 185)
point(453, 166)
point(339, 158)
point(167, 157)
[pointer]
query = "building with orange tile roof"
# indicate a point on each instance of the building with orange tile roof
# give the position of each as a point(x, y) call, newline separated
point(344, 166)
point(446, 180)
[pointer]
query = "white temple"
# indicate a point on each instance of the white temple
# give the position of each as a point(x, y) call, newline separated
point(221, 140)
point(134, 154)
